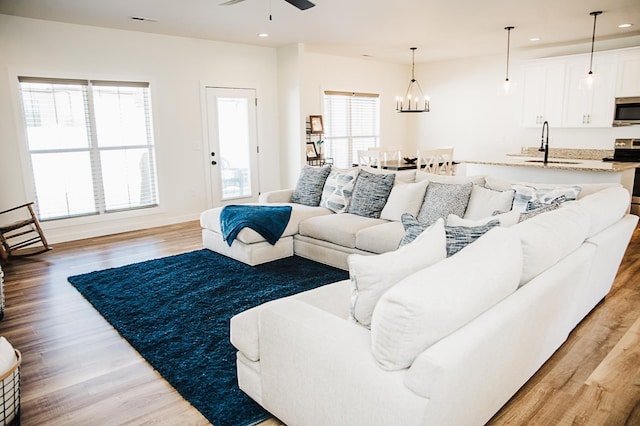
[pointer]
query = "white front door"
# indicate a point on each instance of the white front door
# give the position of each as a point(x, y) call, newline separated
point(233, 148)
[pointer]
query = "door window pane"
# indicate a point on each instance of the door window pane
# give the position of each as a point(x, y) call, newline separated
point(233, 136)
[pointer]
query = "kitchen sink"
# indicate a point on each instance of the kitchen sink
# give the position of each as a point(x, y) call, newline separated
point(552, 161)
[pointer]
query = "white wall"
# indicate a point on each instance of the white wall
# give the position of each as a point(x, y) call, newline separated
point(366, 75)
point(468, 112)
point(292, 157)
point(177, 69)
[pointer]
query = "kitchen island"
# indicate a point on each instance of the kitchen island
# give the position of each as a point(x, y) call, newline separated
point(557, 170)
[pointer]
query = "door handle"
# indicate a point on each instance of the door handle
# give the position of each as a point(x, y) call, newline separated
point(213, 163)
point(213, 154)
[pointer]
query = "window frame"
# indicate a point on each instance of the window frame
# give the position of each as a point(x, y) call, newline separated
point(102, 216)
point(351, 138)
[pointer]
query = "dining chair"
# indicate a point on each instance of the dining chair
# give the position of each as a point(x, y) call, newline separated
point(369, 158)
point(438, 161)
point(388, 153)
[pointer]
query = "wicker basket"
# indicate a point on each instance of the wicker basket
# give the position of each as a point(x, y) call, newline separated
point(10, 393)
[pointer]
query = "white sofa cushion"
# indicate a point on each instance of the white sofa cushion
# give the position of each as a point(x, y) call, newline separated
point(506, 219)
point(404, 198)
point(500, 184)
point(338, 188)
point(210, 219)
point(549, 237)
point(371, 276)
point(605, 207)
point(437, 300)
point(244, 331)
point(340, 229)
point(451, 180)
point(484, 202)
point(380, 238)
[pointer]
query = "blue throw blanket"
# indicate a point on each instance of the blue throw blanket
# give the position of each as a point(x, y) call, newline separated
point(268, 221)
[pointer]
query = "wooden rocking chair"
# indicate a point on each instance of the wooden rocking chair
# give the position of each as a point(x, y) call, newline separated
point(20, 233)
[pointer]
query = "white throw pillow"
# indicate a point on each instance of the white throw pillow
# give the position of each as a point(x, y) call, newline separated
point(549, 237)
point(404, 198)
point(371, 276)
point(435, 301)
point(506, 219)
point(483, 202)
point(605, 207)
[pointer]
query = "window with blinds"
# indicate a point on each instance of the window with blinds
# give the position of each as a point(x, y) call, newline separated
point(351, 123)
point(90, 144)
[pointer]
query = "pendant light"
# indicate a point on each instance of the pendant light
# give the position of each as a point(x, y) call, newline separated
point(507, 86)
point(588, 81)
point(416, 100)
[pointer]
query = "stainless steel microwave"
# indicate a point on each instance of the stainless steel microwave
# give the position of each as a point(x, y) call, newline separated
point(627, 111)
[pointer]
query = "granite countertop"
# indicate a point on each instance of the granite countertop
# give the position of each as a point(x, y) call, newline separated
point(555, 163)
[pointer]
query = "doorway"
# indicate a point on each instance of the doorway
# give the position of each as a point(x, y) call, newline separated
point(232, 154)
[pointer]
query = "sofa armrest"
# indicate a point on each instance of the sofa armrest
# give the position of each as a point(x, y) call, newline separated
point(280, 196)
point(486, 361)
point(318, 369)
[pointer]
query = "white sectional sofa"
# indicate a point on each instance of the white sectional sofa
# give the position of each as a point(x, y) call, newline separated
point(448, 339)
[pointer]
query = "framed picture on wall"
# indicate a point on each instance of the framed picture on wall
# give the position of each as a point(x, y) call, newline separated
point(316, 124)
point(312, 154)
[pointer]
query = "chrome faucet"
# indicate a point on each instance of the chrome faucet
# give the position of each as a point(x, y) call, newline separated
point(544, 143)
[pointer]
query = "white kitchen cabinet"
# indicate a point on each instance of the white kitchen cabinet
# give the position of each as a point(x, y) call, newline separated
point(592, 107)
point(543, 83)
point(629, 73)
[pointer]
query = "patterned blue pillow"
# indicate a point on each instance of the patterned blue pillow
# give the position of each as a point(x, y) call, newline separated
point(542, 209)
point(370, 193)
point(412, 228)
point(458, 237)
point(308, 190)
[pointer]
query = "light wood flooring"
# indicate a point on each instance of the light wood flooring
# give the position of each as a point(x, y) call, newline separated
point(77, 370)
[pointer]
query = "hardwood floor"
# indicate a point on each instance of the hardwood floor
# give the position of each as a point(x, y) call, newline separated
point(77, 370)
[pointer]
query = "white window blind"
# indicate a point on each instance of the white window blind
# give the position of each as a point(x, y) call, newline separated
point(352, 123)
point(90, 144)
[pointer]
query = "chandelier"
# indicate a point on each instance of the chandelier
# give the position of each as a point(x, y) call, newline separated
point(415, 100)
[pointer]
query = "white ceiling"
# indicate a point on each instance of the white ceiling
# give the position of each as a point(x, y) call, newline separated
point(384, 30)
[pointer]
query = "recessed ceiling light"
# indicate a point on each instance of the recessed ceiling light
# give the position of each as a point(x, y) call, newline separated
point(263, 35)
point(534, 39)
point(625, 25)
point(142, 18)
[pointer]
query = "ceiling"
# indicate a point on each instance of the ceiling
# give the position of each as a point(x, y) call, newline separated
point(384, 30)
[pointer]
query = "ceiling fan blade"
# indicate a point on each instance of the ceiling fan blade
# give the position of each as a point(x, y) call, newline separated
point(230, 2)
point(301, 4)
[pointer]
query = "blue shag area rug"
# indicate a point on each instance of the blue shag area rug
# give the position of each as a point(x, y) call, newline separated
point(175, 312)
